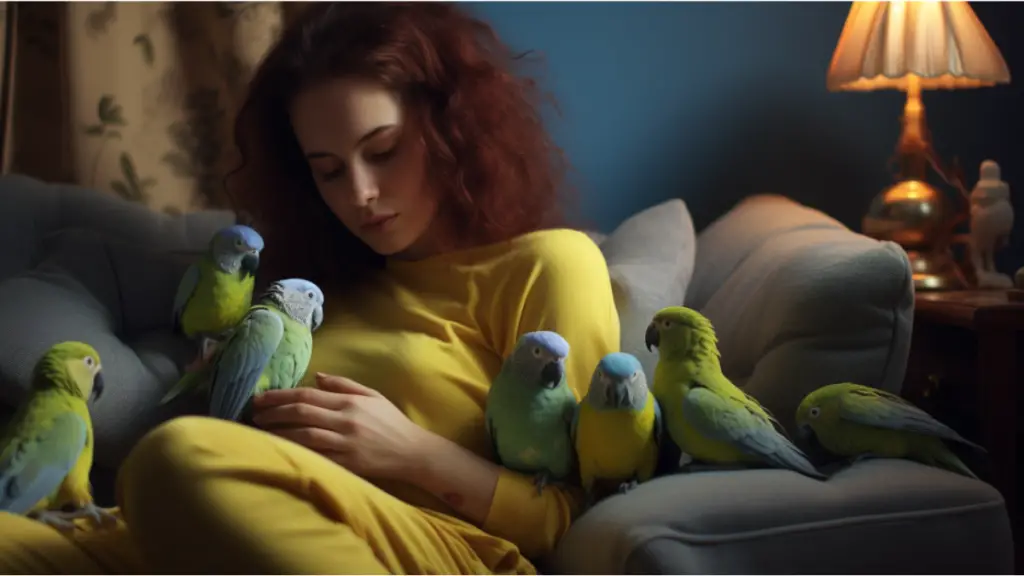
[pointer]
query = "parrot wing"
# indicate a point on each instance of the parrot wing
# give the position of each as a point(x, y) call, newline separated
point(659, 423)
point(493, 435)
point(881, 409)
point(242, 361)
point(574, 424)
point(36, 466)
point(186, 287)
point(716, 418)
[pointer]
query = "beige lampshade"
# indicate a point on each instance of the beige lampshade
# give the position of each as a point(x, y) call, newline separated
point(943, 44)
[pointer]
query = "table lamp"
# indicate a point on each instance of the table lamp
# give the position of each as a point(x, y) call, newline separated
point(914, 46)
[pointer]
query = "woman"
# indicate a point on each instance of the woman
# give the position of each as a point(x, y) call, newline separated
point(392, 157)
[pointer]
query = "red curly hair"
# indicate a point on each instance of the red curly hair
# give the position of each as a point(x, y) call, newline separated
point(487, 149)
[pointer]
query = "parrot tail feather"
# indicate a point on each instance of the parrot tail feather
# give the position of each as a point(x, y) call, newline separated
point(949, 461)
point(189, 382)
point(795, 460)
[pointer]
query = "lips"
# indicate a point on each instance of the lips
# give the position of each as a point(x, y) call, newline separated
point(377, 222)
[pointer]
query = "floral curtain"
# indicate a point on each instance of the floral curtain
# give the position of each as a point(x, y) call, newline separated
point(134, 98)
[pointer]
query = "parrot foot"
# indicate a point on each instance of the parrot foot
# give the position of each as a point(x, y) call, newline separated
point(545, 479)
point(207, 348)
point(93, 512)
point(53, 519)
point(540, 481)
point(625, 487)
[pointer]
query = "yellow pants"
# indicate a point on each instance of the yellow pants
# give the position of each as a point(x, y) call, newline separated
point(204, 496)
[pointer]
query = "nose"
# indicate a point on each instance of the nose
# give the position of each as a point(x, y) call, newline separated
point(364, 186)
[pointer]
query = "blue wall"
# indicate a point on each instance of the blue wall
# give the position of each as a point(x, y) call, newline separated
point(712, 102)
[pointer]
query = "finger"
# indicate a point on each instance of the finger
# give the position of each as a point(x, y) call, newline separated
point(298, 415)
point(342, 385)
point(316, 439)
point(302, 395)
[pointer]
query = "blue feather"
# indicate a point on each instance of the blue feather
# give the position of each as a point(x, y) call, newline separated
point(34, 472)
point(619, 365)
point(250, 237)
point(241, 363)
point(552, 342)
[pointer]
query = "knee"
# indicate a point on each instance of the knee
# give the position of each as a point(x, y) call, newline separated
point(17, 532)
point(169, 454)
point(12, 525)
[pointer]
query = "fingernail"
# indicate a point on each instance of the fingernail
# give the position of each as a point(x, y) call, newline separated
point(320, 375)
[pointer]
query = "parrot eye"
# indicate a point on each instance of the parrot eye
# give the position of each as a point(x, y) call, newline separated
point(666, 323)
point(89, 361)
point(537, 352)
point(634, 375)
point(239, 243)
point(310, 295)
point(814, 412)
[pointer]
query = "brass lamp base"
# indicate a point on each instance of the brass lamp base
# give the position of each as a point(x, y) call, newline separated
point(915, 215)
point(935, 271)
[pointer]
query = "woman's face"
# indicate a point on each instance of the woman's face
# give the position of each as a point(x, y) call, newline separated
point(369, 164)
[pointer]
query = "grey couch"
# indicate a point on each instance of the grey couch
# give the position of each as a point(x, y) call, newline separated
point(798, 300)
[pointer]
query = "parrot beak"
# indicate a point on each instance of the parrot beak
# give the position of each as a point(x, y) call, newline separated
point(318, 318)
point(652, 337)
point(97, 387)
point(250, 263)
point(551, 375)
point(618, 396)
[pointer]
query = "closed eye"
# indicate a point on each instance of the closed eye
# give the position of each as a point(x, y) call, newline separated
point(382, 157)
point(333, 174)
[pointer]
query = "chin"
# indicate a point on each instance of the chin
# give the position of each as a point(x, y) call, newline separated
point(400, 236)
point(387, 245)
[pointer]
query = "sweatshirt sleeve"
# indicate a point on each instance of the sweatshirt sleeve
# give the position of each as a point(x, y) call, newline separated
point(568, 291)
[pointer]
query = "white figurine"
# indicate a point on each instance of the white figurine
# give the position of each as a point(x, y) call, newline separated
point(991, 222)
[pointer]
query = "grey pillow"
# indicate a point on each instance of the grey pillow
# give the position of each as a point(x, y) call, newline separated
point(114, 296)
point(650, 260)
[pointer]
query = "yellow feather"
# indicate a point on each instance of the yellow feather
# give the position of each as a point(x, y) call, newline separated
point(616, 445)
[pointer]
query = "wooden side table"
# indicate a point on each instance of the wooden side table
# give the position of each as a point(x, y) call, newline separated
point(966, 363)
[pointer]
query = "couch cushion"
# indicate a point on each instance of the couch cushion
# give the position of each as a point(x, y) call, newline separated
point(799, 301)
point(878, 516)
point(650, 260)
point(114, 296)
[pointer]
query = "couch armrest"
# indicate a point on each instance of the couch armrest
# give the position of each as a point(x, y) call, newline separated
point(875, 517)
point(32, 210)
point(800, 301)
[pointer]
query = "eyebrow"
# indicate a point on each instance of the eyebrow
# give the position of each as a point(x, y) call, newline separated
point(363, 138)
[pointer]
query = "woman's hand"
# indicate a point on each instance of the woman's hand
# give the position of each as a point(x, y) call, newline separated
point(347, 422)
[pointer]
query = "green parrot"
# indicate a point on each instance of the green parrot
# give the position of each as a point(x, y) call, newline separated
point(855, 421)
point(269, 349)
point(707, 416)
point(530, 408)
point(617, 427)
point(48, 445)
point(216, 292)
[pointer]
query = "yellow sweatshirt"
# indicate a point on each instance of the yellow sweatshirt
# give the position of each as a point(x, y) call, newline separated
point(431, 335)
